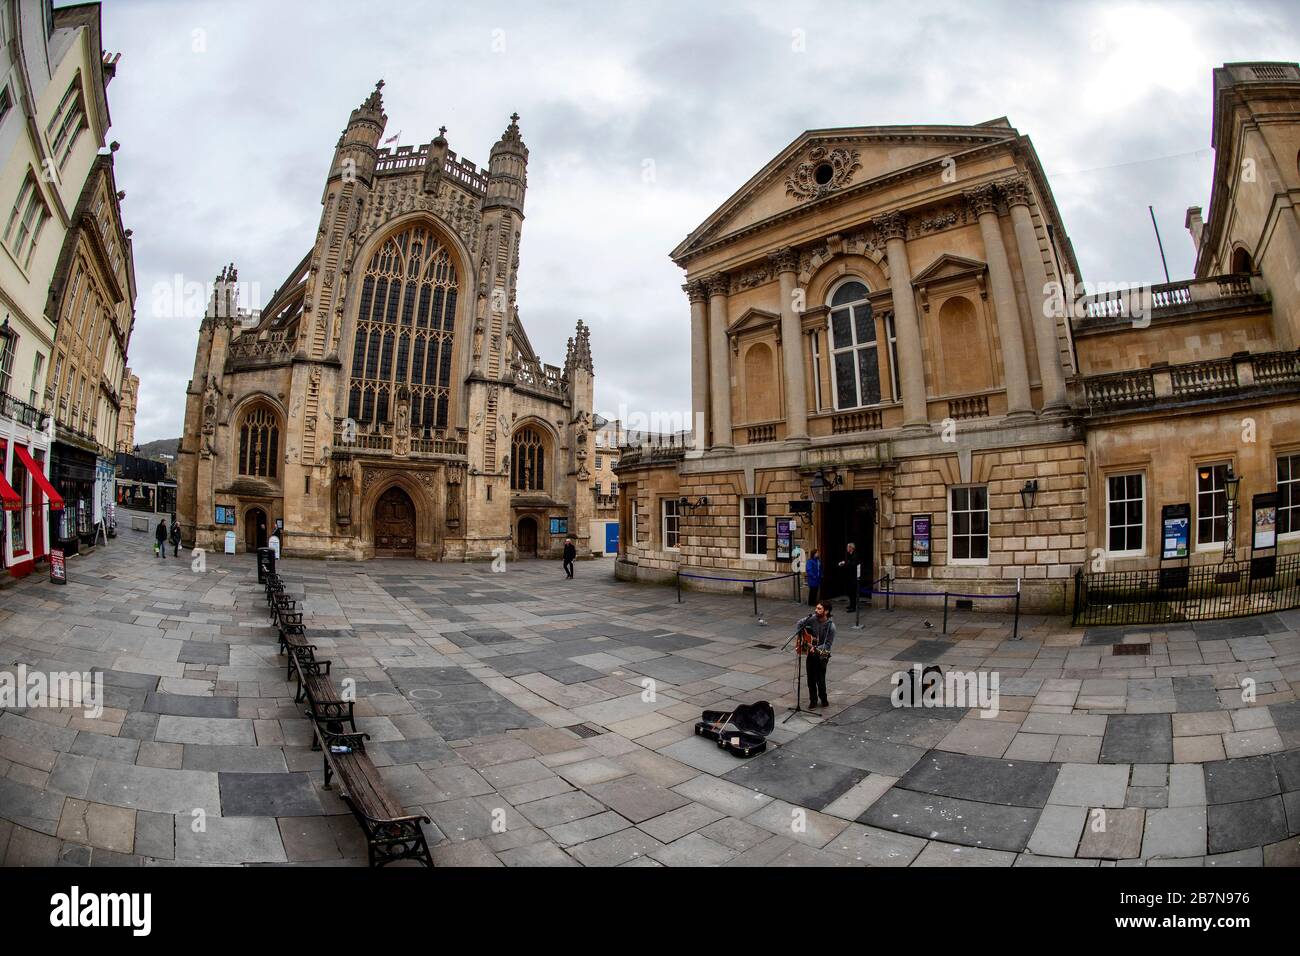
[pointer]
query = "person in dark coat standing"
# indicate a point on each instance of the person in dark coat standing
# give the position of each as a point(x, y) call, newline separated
point(849, 566)
point(813, 575)
point(160, 538)
point(175, 537)
point(570, 555)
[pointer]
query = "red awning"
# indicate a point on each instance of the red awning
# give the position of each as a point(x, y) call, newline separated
point(8, 497)
point(56, 499)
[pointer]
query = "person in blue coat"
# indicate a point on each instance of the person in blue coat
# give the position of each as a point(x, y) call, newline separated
point(813, 575)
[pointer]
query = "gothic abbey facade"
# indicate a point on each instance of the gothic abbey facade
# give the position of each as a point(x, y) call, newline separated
point(387, 401)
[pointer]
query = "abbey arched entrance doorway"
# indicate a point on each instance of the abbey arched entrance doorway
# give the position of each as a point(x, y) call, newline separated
point(394, 525)
point(526, 540)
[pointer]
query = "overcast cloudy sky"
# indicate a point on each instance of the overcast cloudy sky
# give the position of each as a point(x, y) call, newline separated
point(228, 113)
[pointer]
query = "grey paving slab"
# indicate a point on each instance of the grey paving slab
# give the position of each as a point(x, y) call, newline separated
point(636, 798)
point(963, 822)
point(1090, 785)
point(268, 795)
point(150, 788)
point(983, 779)
point(231, 840)
point(1175, 833)
point(1138, 738)
point(796, 778)
point(1246, 778)
point(1245, 824)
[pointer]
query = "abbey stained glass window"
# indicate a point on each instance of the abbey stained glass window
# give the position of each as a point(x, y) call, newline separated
point(259, 443)
point(405, 332)
point(528, 461)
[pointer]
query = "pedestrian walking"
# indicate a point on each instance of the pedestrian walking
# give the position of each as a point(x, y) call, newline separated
point(160, 539)
point(812, 570)
point(176, 537)
point(570, 554)
point(849, 568)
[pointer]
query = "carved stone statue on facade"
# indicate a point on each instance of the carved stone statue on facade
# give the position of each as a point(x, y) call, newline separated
point(402, 427)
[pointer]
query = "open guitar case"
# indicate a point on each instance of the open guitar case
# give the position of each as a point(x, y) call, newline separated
point(741, 732)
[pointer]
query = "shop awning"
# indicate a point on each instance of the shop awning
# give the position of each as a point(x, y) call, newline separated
point(56, 499)
point(8, 497)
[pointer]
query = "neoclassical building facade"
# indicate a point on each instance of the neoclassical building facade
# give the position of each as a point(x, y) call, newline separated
point(891, 319)
point(389, 402)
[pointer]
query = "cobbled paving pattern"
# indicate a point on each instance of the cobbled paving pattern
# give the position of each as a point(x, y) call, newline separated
point(514, 710)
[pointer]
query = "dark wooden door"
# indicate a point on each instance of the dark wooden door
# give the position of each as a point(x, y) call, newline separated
point(527, 543)
point(255, 529)
point(394, 525)
point(849, 516)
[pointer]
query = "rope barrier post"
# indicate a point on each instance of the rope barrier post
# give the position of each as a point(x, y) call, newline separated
point(889, 593)
point(679, 585)
point(798, 594)
point(945, 612)
point(754, 582)
point(1015, 626)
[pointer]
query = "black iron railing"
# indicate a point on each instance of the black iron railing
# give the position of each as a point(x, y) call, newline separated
point(1200, 593)
point(19, 411)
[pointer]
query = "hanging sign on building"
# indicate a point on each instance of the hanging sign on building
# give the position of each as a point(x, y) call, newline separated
point(921, 540)
point(1175, 531)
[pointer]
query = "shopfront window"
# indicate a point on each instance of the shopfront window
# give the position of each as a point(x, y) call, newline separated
point(17, 522)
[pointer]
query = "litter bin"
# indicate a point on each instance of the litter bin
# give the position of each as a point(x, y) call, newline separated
point(265, 564)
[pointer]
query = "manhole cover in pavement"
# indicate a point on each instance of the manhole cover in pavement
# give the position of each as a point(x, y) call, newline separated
point(1124, 650)
point(585, 730)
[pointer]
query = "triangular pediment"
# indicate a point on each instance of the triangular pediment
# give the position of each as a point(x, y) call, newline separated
point(948, 266)
point(752, 320)
point(820, 164)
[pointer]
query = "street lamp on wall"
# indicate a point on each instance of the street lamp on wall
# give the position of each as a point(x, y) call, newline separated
point(1028, 493)
point(1231, 488)
point(685, 504)
point(823, 484)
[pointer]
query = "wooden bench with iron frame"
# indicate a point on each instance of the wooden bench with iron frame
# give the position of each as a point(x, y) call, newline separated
point(391, 833)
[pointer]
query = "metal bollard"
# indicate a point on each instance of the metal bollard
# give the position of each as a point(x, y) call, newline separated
point(945, 612)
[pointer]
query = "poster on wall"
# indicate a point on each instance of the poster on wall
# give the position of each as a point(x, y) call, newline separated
point(225, 515)
point(1264, 525)
point(921, 540)
point(559, 526)
point(1175, 531)
point(784, 538)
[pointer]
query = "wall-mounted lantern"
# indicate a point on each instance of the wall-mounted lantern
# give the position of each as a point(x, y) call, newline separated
point(1028, 493)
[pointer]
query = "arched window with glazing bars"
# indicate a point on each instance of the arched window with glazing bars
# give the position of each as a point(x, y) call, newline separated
point(528, 460)
point(406, 316)
point(259, 442)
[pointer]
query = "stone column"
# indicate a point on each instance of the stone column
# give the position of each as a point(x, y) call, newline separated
point(983, 203)
point(699, 362)
point(911, 363)
point(717, 287)
point(786, 264)
point(1017, 193)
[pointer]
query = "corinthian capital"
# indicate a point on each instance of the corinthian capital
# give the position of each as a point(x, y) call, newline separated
point(1015, 190)
point(892, 225)
point(982, 199)
point(717, 284)
point(695, 291)
point(784, 260)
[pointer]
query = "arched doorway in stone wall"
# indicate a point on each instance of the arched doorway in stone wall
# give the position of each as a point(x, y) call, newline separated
point(526, 538)
point(254, 529)
point(394, 525)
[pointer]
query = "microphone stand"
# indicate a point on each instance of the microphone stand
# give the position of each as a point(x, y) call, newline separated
point(798, 681)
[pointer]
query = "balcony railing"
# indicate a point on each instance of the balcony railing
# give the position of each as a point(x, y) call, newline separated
point(757, 434)
point(19, 411)
point(1120, 390)
point(252, 350)
point(850, 422)
point(381, 443)
point(1204, 378)
point(974, 406)
point(1142, 302)
point(1191, 380)
point(545, 380)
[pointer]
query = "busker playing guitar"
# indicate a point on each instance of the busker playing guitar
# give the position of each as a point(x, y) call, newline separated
point(817, 634)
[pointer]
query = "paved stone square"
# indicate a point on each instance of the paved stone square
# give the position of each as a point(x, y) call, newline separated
point(544, 722)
